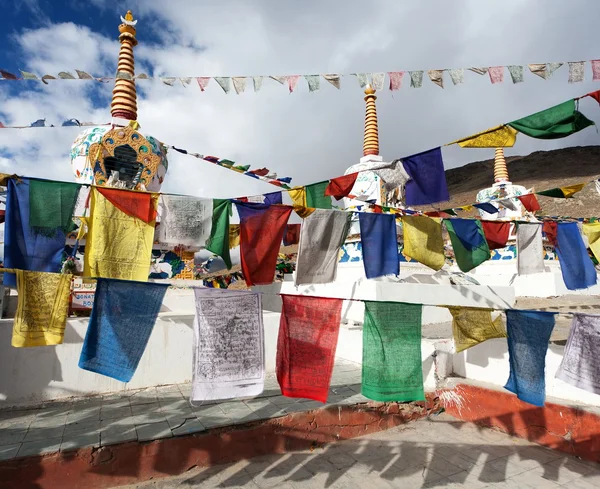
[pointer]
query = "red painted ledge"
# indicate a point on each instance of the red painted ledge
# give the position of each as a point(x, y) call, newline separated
point(569, 429)
point(129, 463)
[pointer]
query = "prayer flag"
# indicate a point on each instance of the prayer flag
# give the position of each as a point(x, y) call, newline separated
point(530, 202)
point(203, 82)
point(224, 83)
point(218, 242)
point(468, 241)
point(437, 77)
point(528, 336)
point(316, 197)
point(539, 69)
point(120, 327)
point(261, 232)
point(292, 81)
point(340, 187)
point(496, 233)
point(229, 346)
point(576, 71)
point(379, 240)
point(471, 326)
point(396, 79)
point(51, 206)
point(185, 220)
point(486, 207)
point(334, 79)
point(391, 365)
point(457, 75)
point(378, 80)
point(321, 237)
point(550, 228)
point(292, 234)
point(42, 308)
point(257, 82)
point(479, 71)
point(423, 240)
point(556, 122)
point(496, 137)
point(239, 84)
point(577, 269)
point(234, 235)
point(530, 252)
point(596, 69)
point(566, 192)
point(119, 243)
point(496, 74)
point(313, 82)
point(308, 336)
point(428, 180)
point(579, 366)
point(516, 73)
point(28, 76)
point(24, 249)
point(592, 231)
point(279, 79)
point(416, 79)
point(362, 79)
point(273, 198)
point(298, 196)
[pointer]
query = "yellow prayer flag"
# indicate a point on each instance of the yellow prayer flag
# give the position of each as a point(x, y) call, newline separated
point(467, 208)
point(234, 235)
point(496, 137)
point(423, 240)
point(471, 326)
point(571, 190)
point(118, 245)
point(592, 231)
point(298, 196)
point(83, 228)
point(42, 308)
point(303, 211)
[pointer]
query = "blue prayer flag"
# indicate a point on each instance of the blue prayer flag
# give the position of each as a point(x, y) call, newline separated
point(575, 264)
point(273, 198)
point(428, 180)
point(23, 247)
point(528, 336)
point(122, 320)
point(379, 240)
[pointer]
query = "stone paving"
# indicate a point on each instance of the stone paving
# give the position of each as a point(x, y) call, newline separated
point(151, 414)
point(440, 452)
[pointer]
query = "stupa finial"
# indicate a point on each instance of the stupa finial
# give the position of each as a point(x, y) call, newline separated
point(124, 101)
point(371, 140)
point(500, 170)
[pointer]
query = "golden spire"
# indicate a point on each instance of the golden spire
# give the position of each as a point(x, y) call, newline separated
point(124, 101)
point(500, 170)
point(371, 141)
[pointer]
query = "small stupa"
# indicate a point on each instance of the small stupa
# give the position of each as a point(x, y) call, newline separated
point(502, 188)
point(119, 155)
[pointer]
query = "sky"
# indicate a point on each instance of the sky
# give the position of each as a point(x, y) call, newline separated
point(307, 136)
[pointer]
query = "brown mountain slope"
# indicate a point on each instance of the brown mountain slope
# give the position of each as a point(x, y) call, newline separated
point(542, 170)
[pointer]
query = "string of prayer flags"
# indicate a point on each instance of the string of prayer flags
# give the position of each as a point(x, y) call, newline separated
point(592, 231)
point(530, 252)
point(120, 234)
point(423, 240)
point(261, 232)
point(316, 197)
point(340, 187)
point(530, 202)
point(218, 242)
point(378, 236)
point(555, 122)
point(322, 235)
point(24, 249)
point(229, 346)
point(577, 269)
point(427, 184)
point(308, 336)
point(528, 336)
point(51, 206)
point(291, 235)
point(496, 137)
point(579, 366)
point(566, 192)
point(185, 220)
point(391, 361)
point(468, 241)
point(42, 308)
point(471, 326)
point(119, 327)
point(496, 233)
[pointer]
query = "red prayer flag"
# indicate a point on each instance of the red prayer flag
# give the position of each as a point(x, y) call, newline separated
point(292, 234)
point(530, 202)
point(341, 186)
point(261, 232)
point(308, 335)
point(549, 228)
point(261, 172)
point(496, 233)
point(136, 204)
point(595, 95)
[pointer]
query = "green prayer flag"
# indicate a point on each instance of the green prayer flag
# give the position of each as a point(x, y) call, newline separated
point(450, 211)
point(470, 246)
point(556, 122)
point(392, 366)
point(218, 242)
point(315, 196)
point(553, 192)
point(51, 206)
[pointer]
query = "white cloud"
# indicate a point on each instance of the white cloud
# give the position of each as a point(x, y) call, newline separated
point(313, 136)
